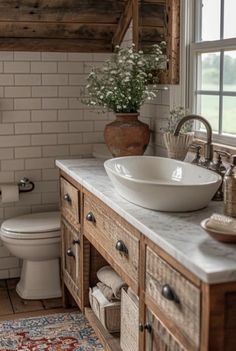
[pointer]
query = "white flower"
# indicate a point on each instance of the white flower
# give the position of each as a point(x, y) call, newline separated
point(122, 83)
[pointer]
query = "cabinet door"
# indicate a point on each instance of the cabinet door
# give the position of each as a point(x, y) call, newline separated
point(71, 259)
point(158, 338)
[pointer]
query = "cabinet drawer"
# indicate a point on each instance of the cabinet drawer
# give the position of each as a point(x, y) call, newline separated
point(115, 239)
point(70, 201)
point(174, 295)
point(71, 258)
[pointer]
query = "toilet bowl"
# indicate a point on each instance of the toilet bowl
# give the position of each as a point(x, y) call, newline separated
point(35, 238)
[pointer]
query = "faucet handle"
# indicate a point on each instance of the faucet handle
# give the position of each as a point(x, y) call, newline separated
point(197, 158)
point(218, 165)
point(221, 153)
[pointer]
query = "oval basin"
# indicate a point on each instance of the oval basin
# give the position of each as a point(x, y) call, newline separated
point(162, 184)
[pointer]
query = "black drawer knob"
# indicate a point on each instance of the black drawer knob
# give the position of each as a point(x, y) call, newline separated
point(90, 217)
point(70, 253)
point(148, 328)
point(74, 242)
point(120, 246)
point(67, 198)
point(169, 294)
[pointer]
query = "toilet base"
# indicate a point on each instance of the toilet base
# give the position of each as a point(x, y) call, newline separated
point(39, 280)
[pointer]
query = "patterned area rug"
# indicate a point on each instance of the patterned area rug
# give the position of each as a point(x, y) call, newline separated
point(56, 332)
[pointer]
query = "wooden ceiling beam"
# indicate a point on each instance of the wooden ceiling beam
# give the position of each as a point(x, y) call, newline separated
point(82, 11)
point(135, 12)
point(123, 24)
point(56, 45)
point(91, 31)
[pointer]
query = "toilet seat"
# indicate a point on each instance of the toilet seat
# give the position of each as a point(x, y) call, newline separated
point(43, 225)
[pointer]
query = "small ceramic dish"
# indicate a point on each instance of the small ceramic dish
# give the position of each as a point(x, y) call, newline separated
point(218, 235)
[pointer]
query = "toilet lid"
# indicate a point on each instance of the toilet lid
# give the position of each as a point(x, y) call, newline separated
point(35, 223)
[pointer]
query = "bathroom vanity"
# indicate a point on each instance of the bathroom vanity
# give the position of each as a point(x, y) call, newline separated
point(185, 281)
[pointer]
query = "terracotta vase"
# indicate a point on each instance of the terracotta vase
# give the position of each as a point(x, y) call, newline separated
point(127, 136)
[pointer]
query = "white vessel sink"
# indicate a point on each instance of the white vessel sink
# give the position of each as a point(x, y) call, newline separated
point(162, 184)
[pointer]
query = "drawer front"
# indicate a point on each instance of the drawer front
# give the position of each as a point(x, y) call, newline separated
point(70, 201)
point(71, 257)
point(115, 240)
point(175, 296)
point(160, 339)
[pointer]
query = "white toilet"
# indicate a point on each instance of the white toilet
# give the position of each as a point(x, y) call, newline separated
point(35, 238)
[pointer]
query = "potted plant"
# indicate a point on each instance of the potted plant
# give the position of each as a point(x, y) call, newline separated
point(122, 85)
point(177, 146)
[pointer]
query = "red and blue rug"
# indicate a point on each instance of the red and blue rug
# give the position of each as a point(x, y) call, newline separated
point(56, 332)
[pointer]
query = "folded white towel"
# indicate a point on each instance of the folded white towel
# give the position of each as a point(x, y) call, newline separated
point(99, 296)
point(222, 223)
point(109, 277)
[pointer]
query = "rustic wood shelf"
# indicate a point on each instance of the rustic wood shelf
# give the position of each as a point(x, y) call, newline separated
point(110, 342)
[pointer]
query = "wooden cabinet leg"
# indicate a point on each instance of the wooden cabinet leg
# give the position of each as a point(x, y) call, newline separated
point(66, 297)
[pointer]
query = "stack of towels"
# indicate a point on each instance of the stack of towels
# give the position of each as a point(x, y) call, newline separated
point(110, 284)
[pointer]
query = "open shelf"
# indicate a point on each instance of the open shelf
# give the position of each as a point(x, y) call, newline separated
point(109, 341)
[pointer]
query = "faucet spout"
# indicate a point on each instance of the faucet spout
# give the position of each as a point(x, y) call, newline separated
point(209, 148)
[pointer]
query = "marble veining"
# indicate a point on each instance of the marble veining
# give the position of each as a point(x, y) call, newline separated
point(179, 234)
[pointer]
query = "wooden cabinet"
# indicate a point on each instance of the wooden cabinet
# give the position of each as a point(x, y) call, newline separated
point(177, 311)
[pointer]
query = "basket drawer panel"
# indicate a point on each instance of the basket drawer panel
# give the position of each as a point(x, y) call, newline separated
point(129, 333)
point(174, 295)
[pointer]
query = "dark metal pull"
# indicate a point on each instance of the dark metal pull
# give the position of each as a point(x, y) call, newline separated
point(70, 253)
point(67, 198)
point(76, 242)
point(90, 217)
point(169, 294)
point(148, 328)
point(120, 246)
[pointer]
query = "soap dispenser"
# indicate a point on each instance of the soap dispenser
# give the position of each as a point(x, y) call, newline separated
point(230, 189)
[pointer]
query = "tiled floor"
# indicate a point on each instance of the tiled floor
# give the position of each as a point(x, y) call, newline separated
point(12, 306)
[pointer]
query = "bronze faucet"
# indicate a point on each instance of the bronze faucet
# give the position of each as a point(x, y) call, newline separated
point(209, 147)
point(217, 167)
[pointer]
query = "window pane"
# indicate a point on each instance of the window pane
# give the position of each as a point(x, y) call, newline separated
point(229, 114)
point(211, 19)
point(209, 71)
point(230, 71)
point(229, 19)
point(208, 107)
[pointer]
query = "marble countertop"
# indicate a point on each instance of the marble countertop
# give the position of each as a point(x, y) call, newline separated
point(179, 234)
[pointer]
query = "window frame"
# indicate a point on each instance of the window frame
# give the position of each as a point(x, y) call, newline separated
point(197, 47)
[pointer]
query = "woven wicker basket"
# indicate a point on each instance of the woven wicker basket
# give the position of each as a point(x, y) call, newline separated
point(108, 314)
point(177, 146)
point(129, 333)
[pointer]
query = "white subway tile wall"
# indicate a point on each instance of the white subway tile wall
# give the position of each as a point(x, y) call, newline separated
point(42, 118)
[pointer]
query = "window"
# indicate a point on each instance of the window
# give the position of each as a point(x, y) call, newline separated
point(213, 66)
